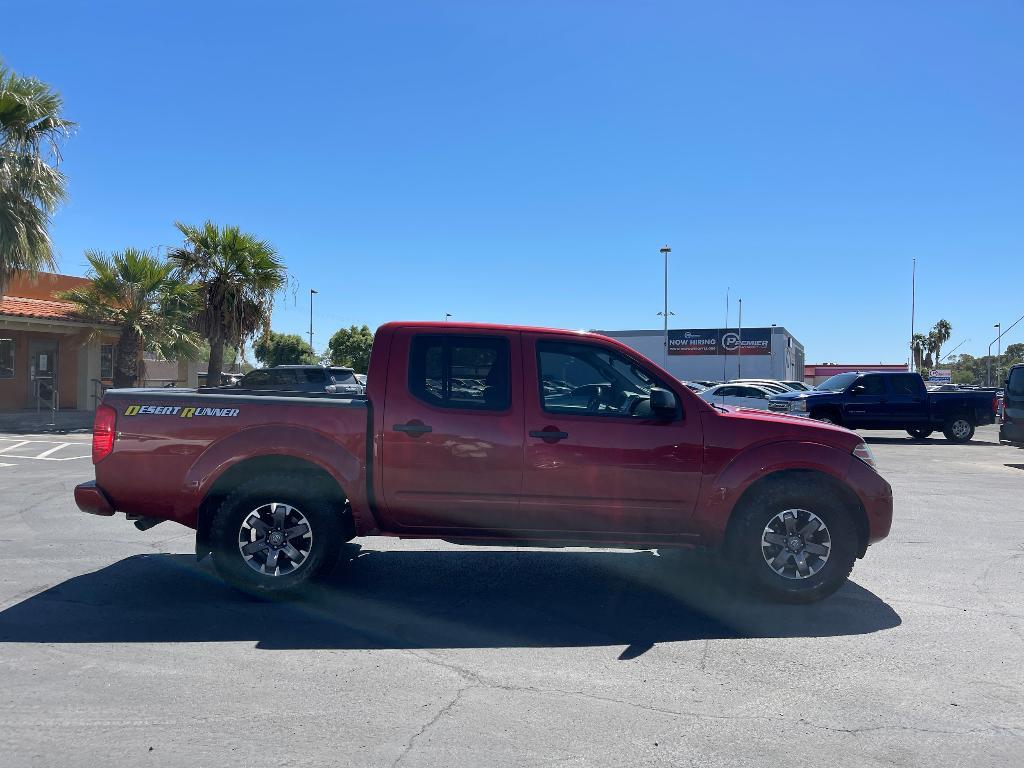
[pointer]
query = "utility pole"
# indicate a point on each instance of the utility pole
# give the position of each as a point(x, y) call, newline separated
point(665, 250)
point(913, 296)
point(311, 292)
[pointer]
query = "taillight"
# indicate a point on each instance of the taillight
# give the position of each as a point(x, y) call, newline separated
point(103, 433)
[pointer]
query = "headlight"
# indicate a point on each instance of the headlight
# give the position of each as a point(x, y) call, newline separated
point(799, 404)
point(863, 452)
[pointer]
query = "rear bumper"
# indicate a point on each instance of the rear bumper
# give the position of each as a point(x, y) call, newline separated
point(91, 499)
point(1011, 433)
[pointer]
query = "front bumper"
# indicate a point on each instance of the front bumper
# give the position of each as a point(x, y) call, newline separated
point(91, 499)
point(876, 497)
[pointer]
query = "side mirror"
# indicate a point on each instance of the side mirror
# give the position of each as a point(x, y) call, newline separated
point(662, 400)
point(860, 389)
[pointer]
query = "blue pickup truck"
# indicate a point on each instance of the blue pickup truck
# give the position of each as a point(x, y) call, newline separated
point(891, 401)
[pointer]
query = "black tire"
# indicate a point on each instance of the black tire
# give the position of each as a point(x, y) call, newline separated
point(919, 434)
point(824, 575)
point(324, 539)
point(959, 429)
point(829, 417)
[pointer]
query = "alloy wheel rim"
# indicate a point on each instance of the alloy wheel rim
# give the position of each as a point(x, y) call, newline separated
point(961, 428)
point(796, 544)
point(275, 539)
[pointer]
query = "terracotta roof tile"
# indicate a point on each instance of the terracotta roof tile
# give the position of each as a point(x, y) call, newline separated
point(39, 308)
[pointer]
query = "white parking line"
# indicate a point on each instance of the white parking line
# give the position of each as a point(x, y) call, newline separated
point(56, 448)
point(45, 455)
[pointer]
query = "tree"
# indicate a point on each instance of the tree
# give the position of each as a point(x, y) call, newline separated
point(938, 336)
point(351, 347)
point(139, 294)
point(31, 186)
point(237, 275)
point(918, 344)
point(283, 349)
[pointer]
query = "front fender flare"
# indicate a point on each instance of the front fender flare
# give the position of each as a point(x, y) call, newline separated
point(720, 494)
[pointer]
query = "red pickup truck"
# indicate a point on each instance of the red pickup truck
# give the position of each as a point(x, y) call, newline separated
point(490, 434)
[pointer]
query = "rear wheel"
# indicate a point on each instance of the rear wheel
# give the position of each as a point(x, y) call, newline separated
point(959, 429)
point(919, 434)
point(795, 543)
point(273, 534)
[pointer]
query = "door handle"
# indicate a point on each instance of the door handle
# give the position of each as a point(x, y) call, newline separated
point(412, 428)
point(549, 434)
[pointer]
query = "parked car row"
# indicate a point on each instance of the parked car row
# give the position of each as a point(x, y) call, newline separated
point(333, 380)
point(872, 400)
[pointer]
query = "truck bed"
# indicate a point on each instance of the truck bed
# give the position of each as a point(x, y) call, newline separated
point(172, 444)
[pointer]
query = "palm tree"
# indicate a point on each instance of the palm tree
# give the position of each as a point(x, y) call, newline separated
point(31, 186)
point(139, 294)
point(237, 275)
point(918, 344)
point(940, 335)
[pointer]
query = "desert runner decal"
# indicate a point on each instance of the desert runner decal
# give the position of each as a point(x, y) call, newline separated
point(184, 412)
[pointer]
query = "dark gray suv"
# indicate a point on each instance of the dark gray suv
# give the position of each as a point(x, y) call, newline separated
point(303, 378)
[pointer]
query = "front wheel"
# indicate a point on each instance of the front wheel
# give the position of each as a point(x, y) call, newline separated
point(919, 434)
point(271, 535)
point(795, 544)
point(959, 430)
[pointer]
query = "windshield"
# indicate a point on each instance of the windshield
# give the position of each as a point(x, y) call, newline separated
point(837, 383)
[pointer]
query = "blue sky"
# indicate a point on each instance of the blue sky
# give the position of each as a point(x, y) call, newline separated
point(523, 162)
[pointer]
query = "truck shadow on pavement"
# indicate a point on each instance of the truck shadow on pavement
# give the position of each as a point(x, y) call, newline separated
point(940, 440)
point(435, 599)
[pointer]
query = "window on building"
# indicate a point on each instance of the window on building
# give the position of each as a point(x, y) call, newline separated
point(106, 361)
point(461, 371)
point(6, 358)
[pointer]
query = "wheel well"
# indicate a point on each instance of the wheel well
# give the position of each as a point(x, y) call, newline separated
point(829, 410)
point(846, 497)
point(312, 476)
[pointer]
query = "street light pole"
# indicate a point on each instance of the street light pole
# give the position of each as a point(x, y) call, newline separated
point(913, 296)
point(999, 348)
point(311, 292)
point(739, 346)
point(665, 250)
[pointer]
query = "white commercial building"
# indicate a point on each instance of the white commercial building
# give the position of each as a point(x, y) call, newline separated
point(721, 354)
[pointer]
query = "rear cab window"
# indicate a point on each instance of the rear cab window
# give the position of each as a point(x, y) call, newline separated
point(463, 372)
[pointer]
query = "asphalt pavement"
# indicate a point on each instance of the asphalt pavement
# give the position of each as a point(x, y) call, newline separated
point(118, 649)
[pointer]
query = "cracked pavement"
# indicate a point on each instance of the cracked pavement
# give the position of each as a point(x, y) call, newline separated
point(117, 649)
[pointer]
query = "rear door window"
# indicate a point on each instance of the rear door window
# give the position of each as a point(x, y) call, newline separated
point(904, 384)
point(316, 376)
point(469, 372)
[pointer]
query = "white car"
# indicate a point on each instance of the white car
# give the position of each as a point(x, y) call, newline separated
point(775, 387)
point(741, 395)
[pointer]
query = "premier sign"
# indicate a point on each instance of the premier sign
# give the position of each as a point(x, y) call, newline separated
point(720, 341)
